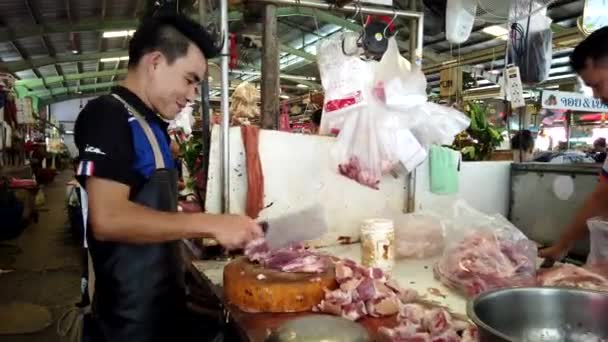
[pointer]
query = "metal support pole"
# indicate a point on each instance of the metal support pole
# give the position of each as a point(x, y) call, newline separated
point(205, 116)
point(270, 69)
point(347, 8)
point(225, 139)
point(416, 25)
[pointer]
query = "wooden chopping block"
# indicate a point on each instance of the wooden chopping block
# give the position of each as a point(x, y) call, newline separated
point(253, 288)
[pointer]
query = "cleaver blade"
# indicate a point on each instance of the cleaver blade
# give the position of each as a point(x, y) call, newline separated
point(308, 224)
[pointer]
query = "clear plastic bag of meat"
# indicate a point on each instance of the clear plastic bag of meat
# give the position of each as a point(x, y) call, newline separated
point(418, 236)
point(598, 249)
point(359, 150)
point(484, 253)
point(346, 80)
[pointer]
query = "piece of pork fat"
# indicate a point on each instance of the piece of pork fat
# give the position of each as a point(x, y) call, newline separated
point(257, 250)
point(329, 307)
point(382, 307)
point(350, 285)
point(437, 321)
point(339, 297)
point(354, 311)
point(446, 336)
point(404, 333)
point(470, 334)
point(373, 289)
point(358, 270)
point(306, 264)
point(376, 273)
point(343, 272)
point(412, 313)
point(401, 331)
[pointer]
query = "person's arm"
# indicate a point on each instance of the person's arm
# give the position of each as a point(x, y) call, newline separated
point(596, 204)
point(113, 217)
point(106, 156)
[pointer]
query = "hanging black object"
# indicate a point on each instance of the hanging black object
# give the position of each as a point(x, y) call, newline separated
point(375, 35)
point(374, 41)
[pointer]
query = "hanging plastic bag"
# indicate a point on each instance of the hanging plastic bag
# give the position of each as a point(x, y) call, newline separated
point(534, 55)
point(440, 124)
point(345, 80)
point(357, 150)
point(396, 84)
point(484, 253)
point(598, 248)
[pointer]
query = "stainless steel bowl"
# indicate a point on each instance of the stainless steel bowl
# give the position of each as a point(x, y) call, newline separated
point(320, 328)
point(540, 314)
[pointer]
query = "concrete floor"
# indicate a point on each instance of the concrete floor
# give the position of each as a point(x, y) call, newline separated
point(46, 263)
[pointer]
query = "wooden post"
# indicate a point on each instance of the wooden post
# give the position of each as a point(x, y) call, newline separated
point(270, 69)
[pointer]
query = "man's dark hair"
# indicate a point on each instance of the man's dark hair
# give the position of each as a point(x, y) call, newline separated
point(171, 35)
point(316, 117)
point(594, 47)
point(522, 139)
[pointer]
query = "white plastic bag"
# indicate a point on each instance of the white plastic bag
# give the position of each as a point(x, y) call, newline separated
point(357, 151)
point(484, 253)
point(396, 84)
point(418, 235)
point(440, 124)
point(598, 239)
point(345, 80)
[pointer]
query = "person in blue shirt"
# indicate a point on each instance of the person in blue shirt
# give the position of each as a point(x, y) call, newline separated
point(126, 167)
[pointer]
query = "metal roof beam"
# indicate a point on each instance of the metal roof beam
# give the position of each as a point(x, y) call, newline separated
point(300, 53)
point(30, 83)
point(63, 90)
point(66, 97)
point(64, 26)
point(321, 15)
point(39, 62)
point(561, 39)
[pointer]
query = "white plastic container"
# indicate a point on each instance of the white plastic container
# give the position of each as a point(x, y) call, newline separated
point(378, 244)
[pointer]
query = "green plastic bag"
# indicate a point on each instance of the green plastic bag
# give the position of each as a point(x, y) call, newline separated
point(444, 167)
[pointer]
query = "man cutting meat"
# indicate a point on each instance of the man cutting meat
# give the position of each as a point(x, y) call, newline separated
point(590, 60)
point(128, 171)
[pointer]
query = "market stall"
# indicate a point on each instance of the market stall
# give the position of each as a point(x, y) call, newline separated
point(302, 173)
point(381, 176)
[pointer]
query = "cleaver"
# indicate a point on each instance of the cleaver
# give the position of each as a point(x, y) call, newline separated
point(308, 224)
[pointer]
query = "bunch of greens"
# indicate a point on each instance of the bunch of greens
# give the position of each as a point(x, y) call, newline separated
point(480, 140)
point(191, 151)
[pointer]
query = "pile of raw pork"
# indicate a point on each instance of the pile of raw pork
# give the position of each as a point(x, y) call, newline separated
point(567, 275)
point(295, 258)
point(368, 292)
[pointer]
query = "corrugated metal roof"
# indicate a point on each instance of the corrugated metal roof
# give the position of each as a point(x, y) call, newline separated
point(58, 15)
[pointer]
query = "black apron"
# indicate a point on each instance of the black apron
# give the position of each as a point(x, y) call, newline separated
point(139, 288)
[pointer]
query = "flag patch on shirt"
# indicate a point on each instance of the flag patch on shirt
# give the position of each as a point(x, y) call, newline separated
point(85, 168)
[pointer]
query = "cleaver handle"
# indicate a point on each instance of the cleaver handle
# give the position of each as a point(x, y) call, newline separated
point(264, 226)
